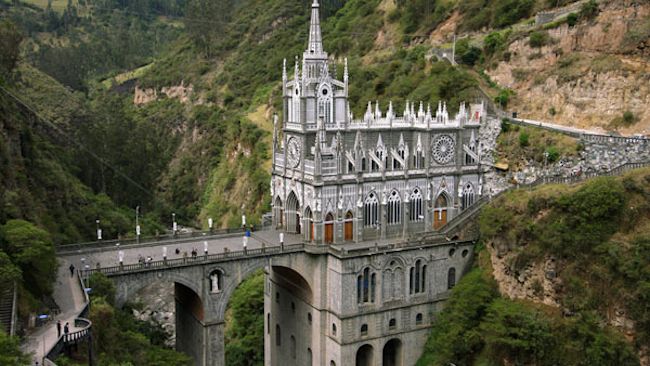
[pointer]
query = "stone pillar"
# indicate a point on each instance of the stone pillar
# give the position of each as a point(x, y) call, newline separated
point(215, 351)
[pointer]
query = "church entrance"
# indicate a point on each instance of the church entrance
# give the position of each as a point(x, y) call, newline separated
point(329, 229)
point(392, 355)
point(364, 356)
point(349, 225)
point(293, 213)
point(440, 212)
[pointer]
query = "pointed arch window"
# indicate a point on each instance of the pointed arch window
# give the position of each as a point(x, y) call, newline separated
point(416, 210)
point(418, 277)
point(468, 196)
point(371, 210)
point(366, 283)
point(451, 278)
point(394, 208)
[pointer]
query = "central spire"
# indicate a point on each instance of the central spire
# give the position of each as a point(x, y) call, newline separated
point(315, 46)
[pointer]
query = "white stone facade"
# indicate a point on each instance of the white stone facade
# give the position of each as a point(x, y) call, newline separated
point(337, 179)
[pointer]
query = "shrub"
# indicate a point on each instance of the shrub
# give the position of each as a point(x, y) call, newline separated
point(523, 139)
point(503, 98)
point(539, 39)
point(628, 118)
point(572, 19)
point(552, 154)
point(493, 42)
point(505, 126)
point(589, 10)
point(471, 56)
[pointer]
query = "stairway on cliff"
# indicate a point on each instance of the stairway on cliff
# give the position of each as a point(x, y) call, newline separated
point(6, 308)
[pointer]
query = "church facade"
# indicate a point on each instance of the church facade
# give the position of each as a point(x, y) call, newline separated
point(338, 180)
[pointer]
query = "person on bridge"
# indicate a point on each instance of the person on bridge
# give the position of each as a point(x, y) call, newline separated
point(66, 328)
point(58, 328)
point(178, 251)
point(71, 270)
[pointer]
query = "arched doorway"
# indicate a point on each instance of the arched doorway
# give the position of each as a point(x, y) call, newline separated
point(309, 220)
point(392, 354)
point(329, 228)
point(440, 211)
point(365, 356)
point(349, 226)
point(293, 213)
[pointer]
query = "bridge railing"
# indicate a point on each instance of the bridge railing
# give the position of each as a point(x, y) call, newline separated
point(168, 238)
point(201, 259)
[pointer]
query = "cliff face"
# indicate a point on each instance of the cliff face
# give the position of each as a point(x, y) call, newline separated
point(588, 75)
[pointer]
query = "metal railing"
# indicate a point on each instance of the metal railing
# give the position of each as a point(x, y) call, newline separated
point(198, 260)
point(148, 241)
point(73, 338)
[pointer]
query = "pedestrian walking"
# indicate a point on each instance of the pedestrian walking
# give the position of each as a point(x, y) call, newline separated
point(178, 251)
point(58, 328)
point(71, 269)
point(66, 328)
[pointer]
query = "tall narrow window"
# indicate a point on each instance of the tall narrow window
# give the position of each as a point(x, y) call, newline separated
point(371, 210)
point(394, 208)
point(416, 209)
point(292, 346)
point(451, 278)
point(278, 336)
point(418, 278)
point(468, 196)
point(366, 283)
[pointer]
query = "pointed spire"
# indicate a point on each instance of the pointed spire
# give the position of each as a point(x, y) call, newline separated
point(421, 110)
point(296, 71)
point(390, 113)
point(377, 111)
point(315, 45)
point(345, 71)
point(407, 110)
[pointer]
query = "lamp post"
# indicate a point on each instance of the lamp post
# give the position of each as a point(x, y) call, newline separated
point(210, 223)
point(137, 224)
point(99, 231)
point(174, 227)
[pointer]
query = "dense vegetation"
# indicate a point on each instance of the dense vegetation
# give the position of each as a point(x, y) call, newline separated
point(244, 336)
point(478, 327)
point(598, 234)
point(121, 339)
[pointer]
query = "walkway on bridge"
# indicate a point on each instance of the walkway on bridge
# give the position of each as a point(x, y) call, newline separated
point(70, 298)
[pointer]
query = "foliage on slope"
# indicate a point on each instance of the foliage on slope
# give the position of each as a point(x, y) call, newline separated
point(244, 334)
point(598, 234)
point(121, 339)
point(479, 327)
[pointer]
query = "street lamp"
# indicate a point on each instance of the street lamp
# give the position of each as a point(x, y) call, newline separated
point(99, 231)
point(137, 224)
point(174, 224)
point(210, 223)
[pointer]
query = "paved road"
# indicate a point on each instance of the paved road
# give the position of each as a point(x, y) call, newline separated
point(110, 257)
point(69, 296)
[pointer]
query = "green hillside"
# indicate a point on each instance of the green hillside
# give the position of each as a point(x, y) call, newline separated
point(597, 233)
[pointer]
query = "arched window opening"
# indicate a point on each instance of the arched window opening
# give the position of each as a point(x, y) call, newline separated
point(216, 281)
point(371, 210)
point(292, 346)
point(451, 278)
point(309, 318)
point(418, 319)
point(350, 167)
point(394, 208)
point(333, 329)
point(468, 196)
point(278, 335)
point(364, 329)
point(392, 323)
point(268, 323)
point(366, 283)
point(418, 278)
point(363, 164)
point(416, 210)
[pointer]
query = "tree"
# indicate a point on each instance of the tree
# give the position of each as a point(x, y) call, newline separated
point(9, 273)
point(32, 250)
point(10, 39)
point(493, 42)
point(10, 354)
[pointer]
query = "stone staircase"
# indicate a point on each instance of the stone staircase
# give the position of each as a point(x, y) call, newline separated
point(7, 309)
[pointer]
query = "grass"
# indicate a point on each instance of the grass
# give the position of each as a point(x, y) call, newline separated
point(519, 144)
point(57, 5)
point(126, 76)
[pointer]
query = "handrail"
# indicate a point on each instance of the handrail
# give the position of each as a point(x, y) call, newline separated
point(226, 255)
point(76, 336)
point(167, 238)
